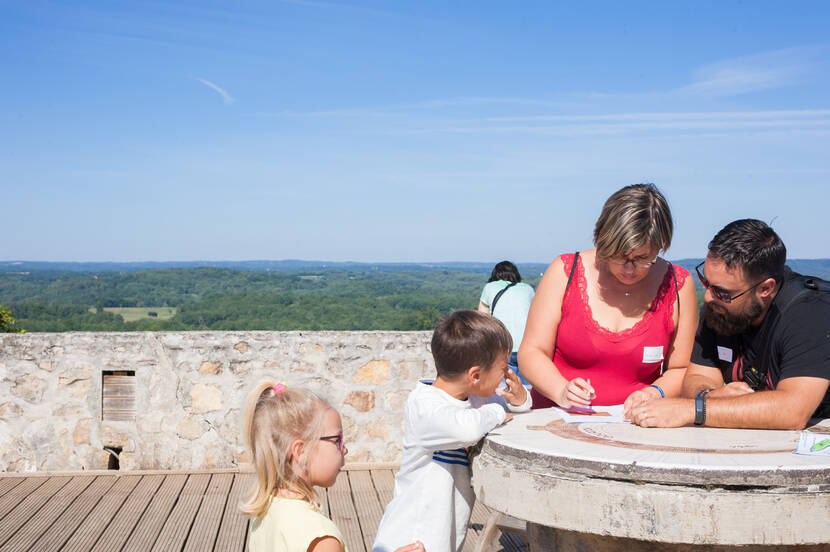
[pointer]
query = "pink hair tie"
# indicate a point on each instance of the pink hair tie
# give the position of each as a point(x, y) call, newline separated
point(279, 388)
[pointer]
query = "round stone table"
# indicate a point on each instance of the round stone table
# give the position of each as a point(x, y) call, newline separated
point(620, 487)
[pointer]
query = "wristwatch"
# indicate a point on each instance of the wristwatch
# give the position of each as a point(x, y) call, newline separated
point(700, 406)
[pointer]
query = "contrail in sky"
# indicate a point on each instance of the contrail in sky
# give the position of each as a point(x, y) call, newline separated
point(225, 95)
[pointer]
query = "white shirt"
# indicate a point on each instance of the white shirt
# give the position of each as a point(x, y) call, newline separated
point(433, 497)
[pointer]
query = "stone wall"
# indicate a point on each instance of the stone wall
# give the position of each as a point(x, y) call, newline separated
point(189, 389)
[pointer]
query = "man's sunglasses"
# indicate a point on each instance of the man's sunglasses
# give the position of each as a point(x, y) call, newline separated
point(719, 293)
point(336, 439)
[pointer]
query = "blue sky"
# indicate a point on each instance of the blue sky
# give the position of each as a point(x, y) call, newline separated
point(403, 131)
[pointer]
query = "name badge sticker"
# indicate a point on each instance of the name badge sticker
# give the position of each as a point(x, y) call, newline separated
point(652, 354)
point(725, 353)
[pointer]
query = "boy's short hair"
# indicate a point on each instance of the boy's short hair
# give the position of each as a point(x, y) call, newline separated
point(468, 338)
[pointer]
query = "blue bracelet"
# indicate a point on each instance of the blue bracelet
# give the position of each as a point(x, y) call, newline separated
point(662, 395)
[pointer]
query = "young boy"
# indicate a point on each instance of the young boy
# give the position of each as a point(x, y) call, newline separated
point(433, 497)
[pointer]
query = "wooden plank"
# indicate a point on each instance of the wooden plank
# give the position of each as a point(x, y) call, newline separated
point(96, 522)
point(16, 495)
point(8, 483)
point(343, 513)
point(322, 497)
point(36, 525)
point(124, 522)
point(384, 481)
point(367, 505)
point(233, 531)
point(29, 506)
point(174, 533)
point(152, 520)
point(477, 520)
point(512, 542)
point(63, 528)
point(206, 525)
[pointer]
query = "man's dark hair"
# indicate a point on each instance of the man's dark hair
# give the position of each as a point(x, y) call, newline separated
point(751, 245)
point(507, 271)
point(468, 338)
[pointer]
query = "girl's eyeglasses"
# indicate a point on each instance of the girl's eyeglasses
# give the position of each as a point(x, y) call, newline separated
point(336, 439)
point(719, 293)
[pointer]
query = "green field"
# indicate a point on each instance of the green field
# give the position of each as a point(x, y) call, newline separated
point(131, 314)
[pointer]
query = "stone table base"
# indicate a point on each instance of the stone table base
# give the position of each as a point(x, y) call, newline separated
point(548, 539)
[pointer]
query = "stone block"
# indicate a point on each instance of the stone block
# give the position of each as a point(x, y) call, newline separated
point(81, 434)
point(241, 367)
point(350, 434)
point(242, 347)
point(9, 411)
point(111, 437)
point(189, 428)
point(29, 388)
point(375, 372)
point(396, 400)
point(205, 398)
point(210, 368)
point(377, 429)
point(362, 401)
point(48, 365)
point(78, 373)
point(414, 369)
point(67, 410)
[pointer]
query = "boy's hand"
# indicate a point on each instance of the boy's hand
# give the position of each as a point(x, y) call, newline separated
point(507, 417)
point(515, 393)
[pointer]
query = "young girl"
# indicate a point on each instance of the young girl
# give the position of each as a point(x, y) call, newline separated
point(295, 441)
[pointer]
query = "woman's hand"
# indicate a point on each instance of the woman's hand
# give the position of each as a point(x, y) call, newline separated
point(576, 392)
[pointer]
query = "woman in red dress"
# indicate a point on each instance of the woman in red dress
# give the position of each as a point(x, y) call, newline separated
point(615, 324)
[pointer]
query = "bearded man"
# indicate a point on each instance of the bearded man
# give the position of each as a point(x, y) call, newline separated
point(761, 357)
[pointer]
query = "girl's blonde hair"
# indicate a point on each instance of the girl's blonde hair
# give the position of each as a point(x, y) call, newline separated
point(632, 217)
point(273, 418)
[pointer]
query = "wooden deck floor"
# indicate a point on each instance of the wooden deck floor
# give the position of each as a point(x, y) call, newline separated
point(177, 511)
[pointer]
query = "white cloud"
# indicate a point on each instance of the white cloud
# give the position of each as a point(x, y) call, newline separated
point(225, 96)
point(754, 73)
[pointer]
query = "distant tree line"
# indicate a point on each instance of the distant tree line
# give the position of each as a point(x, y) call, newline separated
point(222, 299)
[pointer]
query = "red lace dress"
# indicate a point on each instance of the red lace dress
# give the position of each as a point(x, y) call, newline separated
point(617, 363)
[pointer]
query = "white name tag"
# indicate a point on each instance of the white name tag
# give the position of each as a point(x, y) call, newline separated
point(725, 353)
point(652, 354)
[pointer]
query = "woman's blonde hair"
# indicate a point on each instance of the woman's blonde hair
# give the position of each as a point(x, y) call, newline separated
point(632, 217)
point(273, 418)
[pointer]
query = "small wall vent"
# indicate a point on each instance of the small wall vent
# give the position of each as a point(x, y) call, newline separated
point(118, 396)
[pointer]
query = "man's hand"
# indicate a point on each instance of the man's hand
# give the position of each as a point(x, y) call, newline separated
point(515, 393)
point(734, 389)
point(639, 397)
point(507, 417)
point(664, 413)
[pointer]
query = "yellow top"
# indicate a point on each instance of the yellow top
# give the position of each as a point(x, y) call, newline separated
point(290, 525)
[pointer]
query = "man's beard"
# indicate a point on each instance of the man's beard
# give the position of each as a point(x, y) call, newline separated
point(727, 323)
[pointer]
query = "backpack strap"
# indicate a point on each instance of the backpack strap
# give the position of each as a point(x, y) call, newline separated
point(498, 296)
point(756, 375)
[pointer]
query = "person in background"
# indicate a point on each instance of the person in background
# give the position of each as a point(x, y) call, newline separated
point(513, 297)
point(615, 324)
